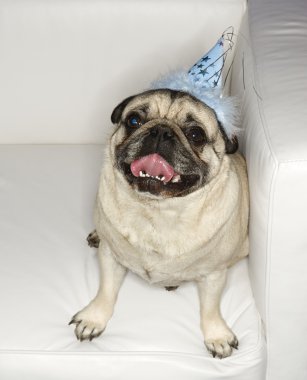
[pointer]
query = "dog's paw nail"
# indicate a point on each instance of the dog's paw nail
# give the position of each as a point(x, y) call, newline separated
point(234, 344)
point(96, 334)
point(73, 320)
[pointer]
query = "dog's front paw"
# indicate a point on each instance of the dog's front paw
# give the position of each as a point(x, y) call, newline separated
point(221, 341)
point(90, 322)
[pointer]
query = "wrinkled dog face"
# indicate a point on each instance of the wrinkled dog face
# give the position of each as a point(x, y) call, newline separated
point(168, 143)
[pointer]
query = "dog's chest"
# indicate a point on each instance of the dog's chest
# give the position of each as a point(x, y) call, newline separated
point(165, 247)
point(156, 259)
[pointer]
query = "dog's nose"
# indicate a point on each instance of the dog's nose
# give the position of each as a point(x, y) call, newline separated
point(162, 132)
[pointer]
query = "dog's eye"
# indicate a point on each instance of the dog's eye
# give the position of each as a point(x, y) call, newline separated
point(196, 135)
point(134, 121)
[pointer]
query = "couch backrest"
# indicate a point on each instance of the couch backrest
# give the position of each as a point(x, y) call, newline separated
point(65, 64)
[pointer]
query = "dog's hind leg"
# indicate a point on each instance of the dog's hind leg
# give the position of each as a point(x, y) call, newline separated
point(93, 239)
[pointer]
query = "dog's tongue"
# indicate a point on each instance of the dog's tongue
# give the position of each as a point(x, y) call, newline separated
point(154, 165)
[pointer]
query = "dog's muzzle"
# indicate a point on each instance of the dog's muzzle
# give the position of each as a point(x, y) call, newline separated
point(155, 169)
point(159, 139)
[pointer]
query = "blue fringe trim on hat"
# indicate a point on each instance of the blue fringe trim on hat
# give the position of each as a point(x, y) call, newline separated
point(226, 108)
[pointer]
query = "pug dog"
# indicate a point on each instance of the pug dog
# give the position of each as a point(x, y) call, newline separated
point(172, 206)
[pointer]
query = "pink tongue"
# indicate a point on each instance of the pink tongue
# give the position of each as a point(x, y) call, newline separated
point(154, 165)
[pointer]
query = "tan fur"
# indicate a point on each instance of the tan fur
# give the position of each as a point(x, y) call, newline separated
point(177, 239)
point(170, 240)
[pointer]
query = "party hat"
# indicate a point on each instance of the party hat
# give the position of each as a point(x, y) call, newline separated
point(206, 79)
point(207, 72)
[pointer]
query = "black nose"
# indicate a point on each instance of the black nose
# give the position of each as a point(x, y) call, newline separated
point(162, 132)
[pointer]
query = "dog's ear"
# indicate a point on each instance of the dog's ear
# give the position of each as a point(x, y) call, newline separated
point(117, 113)
point(232, 144)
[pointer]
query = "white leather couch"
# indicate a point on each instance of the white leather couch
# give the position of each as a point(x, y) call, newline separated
point(64, 66)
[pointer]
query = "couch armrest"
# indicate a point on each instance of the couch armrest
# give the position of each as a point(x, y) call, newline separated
point(269, 75)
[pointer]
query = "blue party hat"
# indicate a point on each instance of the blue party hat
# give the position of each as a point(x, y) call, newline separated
point(207, 72)
point(206, 80)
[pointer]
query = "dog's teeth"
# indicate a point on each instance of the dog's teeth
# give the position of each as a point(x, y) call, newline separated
point(176, 178)
point(158, 178)
point(162, 179)
point(147, 175)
